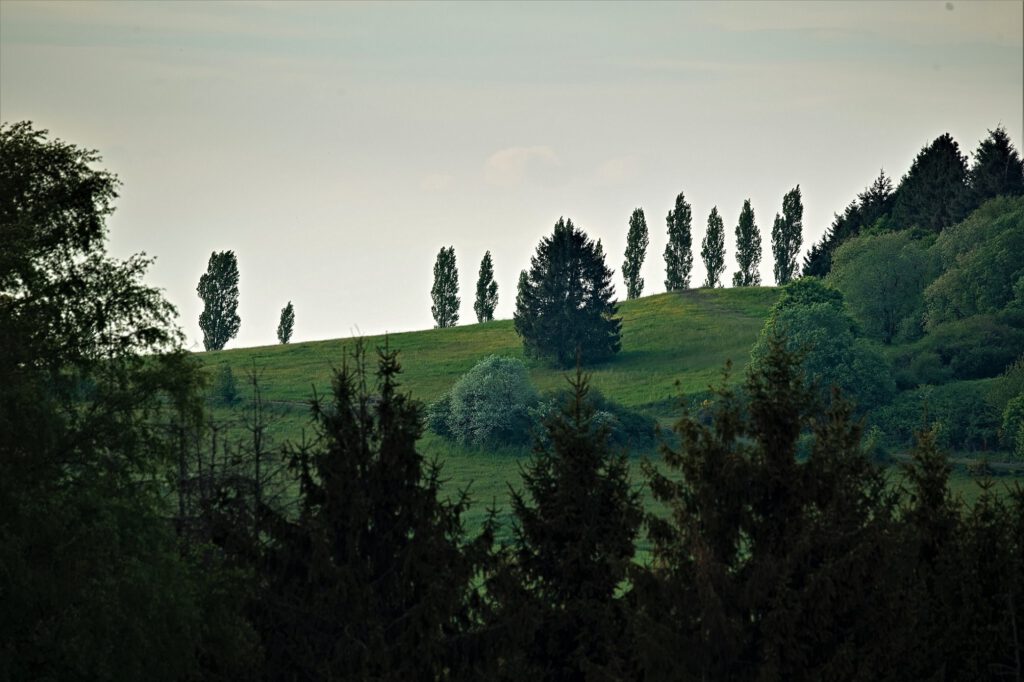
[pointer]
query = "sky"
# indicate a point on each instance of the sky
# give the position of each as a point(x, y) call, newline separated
point(336, 147)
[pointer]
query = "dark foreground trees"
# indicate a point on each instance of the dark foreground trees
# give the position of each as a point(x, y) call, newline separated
point(372, 580)
point(94, 583)
point(564, 306)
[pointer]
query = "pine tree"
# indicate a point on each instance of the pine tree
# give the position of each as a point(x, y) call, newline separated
point(565, 304)
point(748, 249)
point(933, 194)
point(486, 291)
point(575, 532)
point(219, 290)
point(286, 324)
point(445, 292)
point(636, 251)
point(787, 236)
point(678, 251)
point(997, 170)
point(712, 249)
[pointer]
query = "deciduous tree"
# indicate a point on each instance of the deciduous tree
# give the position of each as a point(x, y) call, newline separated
point(218, 289)
point(748, 249)
point(445, 292)
point(286, 324)
point(679, 250)
point(486, 291)
point(787, 236)
point(636, 251)
point(712, 250)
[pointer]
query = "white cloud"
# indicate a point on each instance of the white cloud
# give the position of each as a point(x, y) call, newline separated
point(509, 167)
point(618, 170)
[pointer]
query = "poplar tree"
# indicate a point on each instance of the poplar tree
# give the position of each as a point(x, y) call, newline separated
point(636, 251)
point(678, 251)
point(486, 291)
point(287, 323)
point(787, 236)
point(712, 249)
point(445, 291)
point(219, 290)
point(748, 249)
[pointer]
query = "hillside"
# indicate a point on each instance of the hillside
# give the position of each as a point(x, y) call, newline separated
point(684, 337)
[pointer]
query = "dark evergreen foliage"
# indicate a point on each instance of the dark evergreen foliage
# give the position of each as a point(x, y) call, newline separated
point(748, 249)
point(372, 579)
point(636, 251)
point(486, 291)
point(679, 250)
point(787, 236)
point(997, 170)
point(218, 288)
point(712, 250)
point(564, 306)
point(575, 531)
point(445, 292)
point(286, 324)
point(869, 208)
point(933, 194)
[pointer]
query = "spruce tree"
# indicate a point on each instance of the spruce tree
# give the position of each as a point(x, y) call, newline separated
point(445, 292)
point(575, 529)
point(679, 251)
point(712, 249)
point(636, 251)
point(486, 291)
point(286, 324)
point(565, 303)
point(933, 194)
point(219, 290)
point(787, 236)
point(748, 249)
point(371, 577)
point(997, 170)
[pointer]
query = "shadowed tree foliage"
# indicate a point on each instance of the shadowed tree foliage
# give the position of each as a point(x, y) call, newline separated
point(679, 250)
point(787, 236)
point(486, 291)
point(636, 251)
point(997, 169)
point(933, 194)
point(575, 528)
point(712, 250)
point(565, 305)
point(93, 582)
point(748, 249)
point(218, 289)
point(445, 292)
point(371, 580)
point(286, 323)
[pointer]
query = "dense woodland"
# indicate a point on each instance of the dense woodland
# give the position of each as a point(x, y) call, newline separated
point(138, 542)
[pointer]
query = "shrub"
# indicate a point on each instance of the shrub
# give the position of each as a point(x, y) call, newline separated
point(958, 412)
point(489, 405)
point(628, 428)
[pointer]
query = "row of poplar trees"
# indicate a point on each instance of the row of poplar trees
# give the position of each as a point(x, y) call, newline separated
point(787, 232)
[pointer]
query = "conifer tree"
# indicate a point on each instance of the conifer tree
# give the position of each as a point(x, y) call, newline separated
point(997, 170)
point(486, 291)
point(748, 249)
point(564, 306)
point(679, 250)
point(712, 249)
point(933, 194)
point(636, 251)
point(219, 290)
point(286, 324)
point(371, 578)
point(445, 292)
point(787, 236)
point(575, 530)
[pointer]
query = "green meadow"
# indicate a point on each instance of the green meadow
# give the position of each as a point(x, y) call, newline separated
point(672, 344)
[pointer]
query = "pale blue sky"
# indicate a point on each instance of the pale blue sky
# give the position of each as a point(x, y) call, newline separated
point(335, 147)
